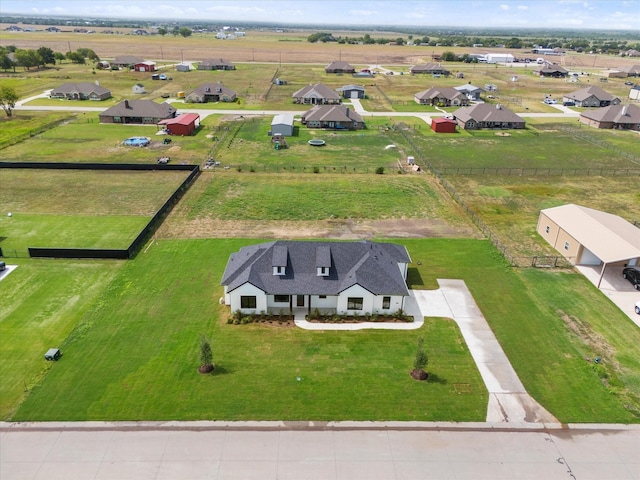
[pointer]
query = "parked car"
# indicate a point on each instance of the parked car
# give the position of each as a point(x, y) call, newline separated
point(569, 104)
point(3, 266)
point(550, 101)
point(628, 83)
point(633, 275)
point(162, 76)
point(638, 307)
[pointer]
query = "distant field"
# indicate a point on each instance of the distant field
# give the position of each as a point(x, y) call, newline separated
point(84, 209)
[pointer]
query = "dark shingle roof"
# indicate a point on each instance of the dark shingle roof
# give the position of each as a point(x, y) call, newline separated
point(372, 265)
point(586, 92)
point(485, 112)
point(85, 88)
point(319, 90)
point(621, 114)
point(332, 113)
point(140, 108)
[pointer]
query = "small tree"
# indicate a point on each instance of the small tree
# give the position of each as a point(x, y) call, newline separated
point(206, 356)
point(420, 362)
point(8, 99)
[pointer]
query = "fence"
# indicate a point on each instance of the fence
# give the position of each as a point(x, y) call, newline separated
point(141, 238)
point(514, 260)
point(523, 172)
point(14, 139)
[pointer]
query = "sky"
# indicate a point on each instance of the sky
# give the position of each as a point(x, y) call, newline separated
point(575, 14)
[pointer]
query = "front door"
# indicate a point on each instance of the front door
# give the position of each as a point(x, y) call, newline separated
point(299, 300)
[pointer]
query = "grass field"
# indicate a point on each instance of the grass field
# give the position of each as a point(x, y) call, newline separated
point(141, 363)
point(79, 208)
point(130, 331)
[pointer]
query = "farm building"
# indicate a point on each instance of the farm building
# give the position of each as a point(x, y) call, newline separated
point(339, 67)
point(337, 117)
point(352, 91)
point(184, 124)
point(145, 66)
point(618, 117)
point(80, 91)
point(591, 97)
point(499, 58)
point(145, 112)
point(634, 93)
point(216, 64)
point(282, 124)
point(183, 67)
point(443, 125)
point(485, 115)
point(211, 92)
point(333, 277)
point(585, 236)
point(318, 94)
point(441, 96)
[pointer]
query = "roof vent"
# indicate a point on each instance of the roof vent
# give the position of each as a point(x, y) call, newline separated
point(624, 111)
point(126, 104)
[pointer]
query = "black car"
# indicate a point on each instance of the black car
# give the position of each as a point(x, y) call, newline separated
point(633, 275)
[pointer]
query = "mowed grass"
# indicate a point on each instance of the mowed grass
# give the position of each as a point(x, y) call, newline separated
point(42, 302)
point(134, 355)
point(256, 196)
point(548, 150)
point(79, 208)
point(141, 362)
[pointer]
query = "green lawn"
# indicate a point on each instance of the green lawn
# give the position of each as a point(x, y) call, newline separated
point(256, 196)
point(79, 208)
point(42, 302)
point(134, 354)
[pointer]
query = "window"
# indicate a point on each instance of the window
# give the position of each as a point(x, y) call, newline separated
point(279, 270)
point(281, 298)
point(247, 301)
point(547, 229)
point(322, 296)
point(323, 271)
point(354, 303)
point(566, 245)
point(386, 303)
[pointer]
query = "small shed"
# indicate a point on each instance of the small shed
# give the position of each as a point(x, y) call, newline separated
point(282, 124)
point(184, 124)
point(443, 125)
point(138, 88)
point(352, 91)
point(183, 67)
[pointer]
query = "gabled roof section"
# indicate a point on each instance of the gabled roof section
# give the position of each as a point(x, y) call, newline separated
point(140, 108)
point(609, 237)
point(332, 113)
point(85, 88)
point(486, 112)
point(468, 88)
point(339, 65)
point(587, 92)
point(434, 92)
point(619, 114)
point(213, 89)
point(372, 265)
point(280, 255)
point(318, 90)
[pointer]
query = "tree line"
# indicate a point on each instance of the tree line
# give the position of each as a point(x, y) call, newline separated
point(12, 57)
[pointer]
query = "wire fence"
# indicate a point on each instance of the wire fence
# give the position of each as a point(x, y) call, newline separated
point(524, 172)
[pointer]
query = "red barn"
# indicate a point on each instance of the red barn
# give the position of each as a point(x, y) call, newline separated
point(443, 125)
point(184, 124)
point(145, 67)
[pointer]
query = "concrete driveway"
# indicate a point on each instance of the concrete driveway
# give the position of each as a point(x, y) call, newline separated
point(616, 288)
point(508, 399)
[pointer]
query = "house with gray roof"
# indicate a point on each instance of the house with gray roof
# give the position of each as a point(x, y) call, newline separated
point(339, 67)
point(145, 112)
point(441, 96)
point(317, 94)
point(346, 278)
point(631, 70)
point(80, 91)
point(126, 61)
point(553, 71)
point(619, 117)
point(216, 64)
point(211, 92)
point(591, 97)
point(336, 117)
point(429, 69)
point(471, 91)
point(485, 115)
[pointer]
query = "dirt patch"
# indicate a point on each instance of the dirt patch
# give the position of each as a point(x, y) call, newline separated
point(593, 340)
point(176, 227)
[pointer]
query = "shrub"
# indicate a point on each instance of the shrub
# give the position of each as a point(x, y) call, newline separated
point(420, 361)
point(380, 170)
point(316, 169)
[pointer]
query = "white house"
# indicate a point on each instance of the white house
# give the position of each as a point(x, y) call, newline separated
point(346, 278)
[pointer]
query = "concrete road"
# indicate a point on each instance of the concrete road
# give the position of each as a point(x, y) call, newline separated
point(327, 452)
